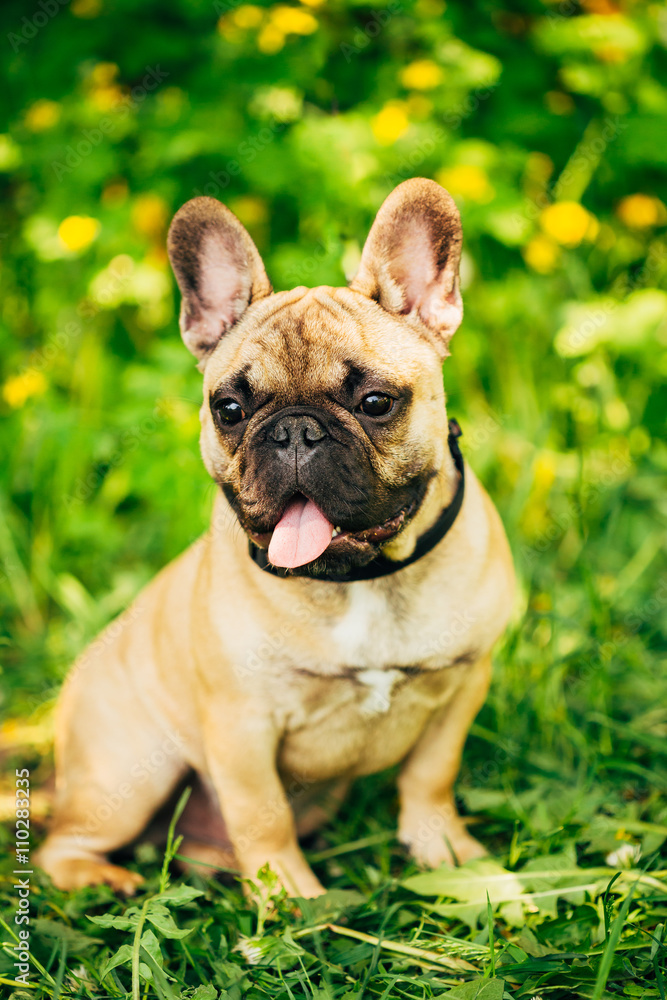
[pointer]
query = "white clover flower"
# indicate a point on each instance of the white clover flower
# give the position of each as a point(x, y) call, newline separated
point(251, 949)
point(625, 856)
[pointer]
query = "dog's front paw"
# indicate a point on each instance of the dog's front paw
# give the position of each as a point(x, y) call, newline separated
point(75, 873)
point(437, 835)
point(440, 849)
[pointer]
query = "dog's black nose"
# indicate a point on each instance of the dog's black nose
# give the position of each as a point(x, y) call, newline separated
point(296, 429)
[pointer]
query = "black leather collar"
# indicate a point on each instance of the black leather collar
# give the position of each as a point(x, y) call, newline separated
point(381, 566)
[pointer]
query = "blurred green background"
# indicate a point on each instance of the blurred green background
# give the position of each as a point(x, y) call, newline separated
point(547, 122)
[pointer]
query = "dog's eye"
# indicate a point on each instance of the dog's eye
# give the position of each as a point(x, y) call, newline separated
point(228, 411)
point(376, 404)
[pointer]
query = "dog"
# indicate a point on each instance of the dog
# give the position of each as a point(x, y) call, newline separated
point(338, 617)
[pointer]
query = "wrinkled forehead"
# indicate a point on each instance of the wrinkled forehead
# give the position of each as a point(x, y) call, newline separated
point(318, 338)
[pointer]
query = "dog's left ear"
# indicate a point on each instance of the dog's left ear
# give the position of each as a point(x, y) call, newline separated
point(410, 262)
point(218, 269)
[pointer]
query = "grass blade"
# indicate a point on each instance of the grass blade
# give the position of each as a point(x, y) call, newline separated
point(610, 947)
point(492, 949)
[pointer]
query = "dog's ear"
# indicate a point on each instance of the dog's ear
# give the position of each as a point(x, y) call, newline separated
point(410, 262)
point(218, 270)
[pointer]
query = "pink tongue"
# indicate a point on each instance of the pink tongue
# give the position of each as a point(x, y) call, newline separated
point(301, 535)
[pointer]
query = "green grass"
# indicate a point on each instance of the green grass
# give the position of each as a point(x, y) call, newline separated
point(557, 377)
point(565, 764)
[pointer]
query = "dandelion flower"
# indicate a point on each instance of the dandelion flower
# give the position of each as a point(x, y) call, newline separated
point(567, 222)
point(390, 123)
point(423, 74)
point(468, 181)
point(641, 211)
point(77, 232)
point(19, 388)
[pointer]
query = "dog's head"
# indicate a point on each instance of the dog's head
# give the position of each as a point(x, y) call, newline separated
point(323, 408)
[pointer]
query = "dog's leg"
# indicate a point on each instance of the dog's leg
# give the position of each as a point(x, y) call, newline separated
point(241, 751)
point(429, 823)
point(112, 777)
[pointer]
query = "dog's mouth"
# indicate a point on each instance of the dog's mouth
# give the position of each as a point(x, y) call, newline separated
point(303, 533)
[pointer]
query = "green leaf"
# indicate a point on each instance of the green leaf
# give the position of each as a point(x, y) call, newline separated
point(122, 957)
point(76, 942)
point(111, 920)
point(557, 876)
point(179, 895)
point(205, 992)
point(152, 946)
point(532, 946)
point(469, 885)
point(162, 920)
point(330, 905)
point(478, 989)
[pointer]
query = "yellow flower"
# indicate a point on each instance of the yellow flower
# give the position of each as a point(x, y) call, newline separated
point(19, 388)
point(270, 39)
point(247, 16)
point(42, 115)
point(640, 211)
point(149, 215)
point(86, 8)
point(545, 472)
point(106, 98)
point(423, 74)
point(542, 254)
point(313, 3)
point(250, 210)
point(105, 92)
point(390, 123)
point(77, 232)
point(567, 222)
point(103, 74)
point(293, 20)
point(468, 181)
point(611, 54)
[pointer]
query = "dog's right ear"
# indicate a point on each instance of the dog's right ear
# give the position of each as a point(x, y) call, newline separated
point(410, 261)
point(218, 270)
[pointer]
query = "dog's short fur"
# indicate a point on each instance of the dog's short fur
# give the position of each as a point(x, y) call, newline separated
point(277, 691)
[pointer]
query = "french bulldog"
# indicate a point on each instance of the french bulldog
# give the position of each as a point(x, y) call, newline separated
point(339, 615)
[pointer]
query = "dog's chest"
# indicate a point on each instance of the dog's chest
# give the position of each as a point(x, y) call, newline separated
point(375, 632)
point(363, 704)
point(356, 722)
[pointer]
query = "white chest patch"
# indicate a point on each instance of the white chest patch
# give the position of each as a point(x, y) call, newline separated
point(356, 636)
point(380, 684)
